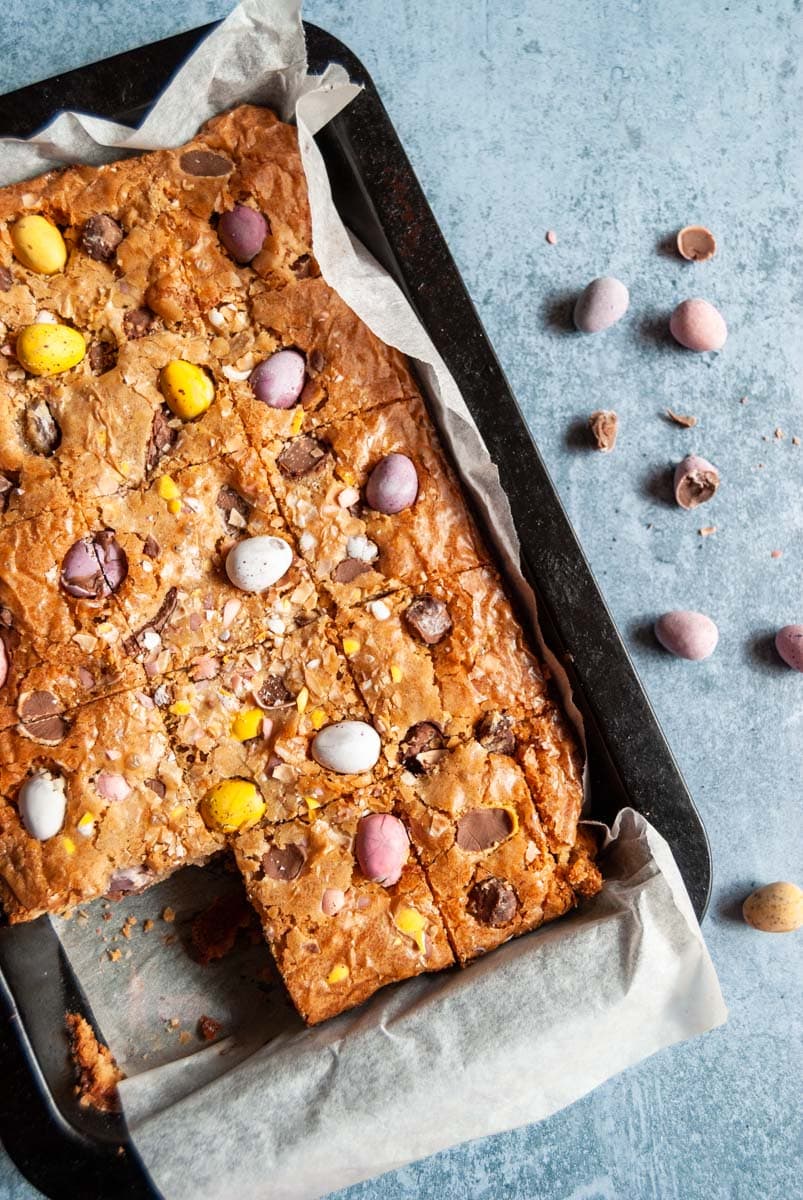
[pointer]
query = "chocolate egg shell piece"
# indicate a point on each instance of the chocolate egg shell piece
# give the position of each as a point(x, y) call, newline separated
point(696, 481)
point(696, 243)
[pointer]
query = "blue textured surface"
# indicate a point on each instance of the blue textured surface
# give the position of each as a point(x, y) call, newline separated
point(614, 124)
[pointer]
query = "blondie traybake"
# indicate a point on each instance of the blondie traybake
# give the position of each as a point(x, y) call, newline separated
point(242, 601)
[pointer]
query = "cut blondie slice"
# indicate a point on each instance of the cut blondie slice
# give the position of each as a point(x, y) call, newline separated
point(102, 809)
point(336, 935)
point(62, 632)
point(254, 714)
point(449, 656)
point(353, 550)
point(346, 370)
point(473, 822)
point(177, 597)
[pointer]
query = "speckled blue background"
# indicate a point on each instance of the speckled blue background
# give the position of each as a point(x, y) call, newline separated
point(615, 123)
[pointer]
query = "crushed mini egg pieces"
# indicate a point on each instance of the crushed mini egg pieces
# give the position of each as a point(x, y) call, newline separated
point(247, 724)
point(167, 488)
point(338, 974)
point(86, 825)
point(412, 923)
point(180, 708)
point(350, 646)
point(317, 718)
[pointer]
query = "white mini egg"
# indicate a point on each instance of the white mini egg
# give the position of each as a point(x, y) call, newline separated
point(42, 804)
point(347, 747)
point(256, 563)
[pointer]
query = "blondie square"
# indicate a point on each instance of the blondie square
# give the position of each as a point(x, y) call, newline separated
point(451, 655)
point(177, 597)
point(476, 830)
point(336, 935)
point(253, 714)
point(354, 551)
point(62, 632)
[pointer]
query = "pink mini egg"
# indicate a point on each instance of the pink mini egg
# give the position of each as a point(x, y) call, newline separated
point(697, 325)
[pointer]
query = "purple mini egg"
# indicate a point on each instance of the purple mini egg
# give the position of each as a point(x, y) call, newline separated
point(601, 304)
point(242, 231)
point(392, 485)
point(278, 381)
point(690, 635)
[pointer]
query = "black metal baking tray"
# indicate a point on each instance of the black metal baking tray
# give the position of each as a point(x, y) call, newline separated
point(72, 1152)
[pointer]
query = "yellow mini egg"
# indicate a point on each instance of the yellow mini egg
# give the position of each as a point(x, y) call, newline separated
point(38, 245)
point(231, 806)
point(775, 908)
point(49, 349)
point(187, 389)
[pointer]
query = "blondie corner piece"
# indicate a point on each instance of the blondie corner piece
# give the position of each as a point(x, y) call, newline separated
point(475, 827)
point(99, 811)
point(336, 935)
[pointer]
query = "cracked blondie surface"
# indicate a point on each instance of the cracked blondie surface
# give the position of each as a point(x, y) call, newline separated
point(243, 602)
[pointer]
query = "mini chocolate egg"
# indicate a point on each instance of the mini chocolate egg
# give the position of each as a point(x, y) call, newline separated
point(601, 304)
point(690, 635)
point(392, 485)
point(242, 231)
point(382, 847)
point(278, 381)
point(699, 326)
point(256, 563)
point(46, 349)
point(775, 908)
point(347, 747)
point(42, 805)
point(4, 662)
point(789, 644)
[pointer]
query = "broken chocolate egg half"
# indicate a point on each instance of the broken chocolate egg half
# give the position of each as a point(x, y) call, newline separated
point(696, 243)
point(696, 481)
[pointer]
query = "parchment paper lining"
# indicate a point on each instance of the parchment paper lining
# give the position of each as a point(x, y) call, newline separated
point(274, 1107)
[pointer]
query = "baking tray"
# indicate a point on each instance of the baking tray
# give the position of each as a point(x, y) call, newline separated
point(71, 1152)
